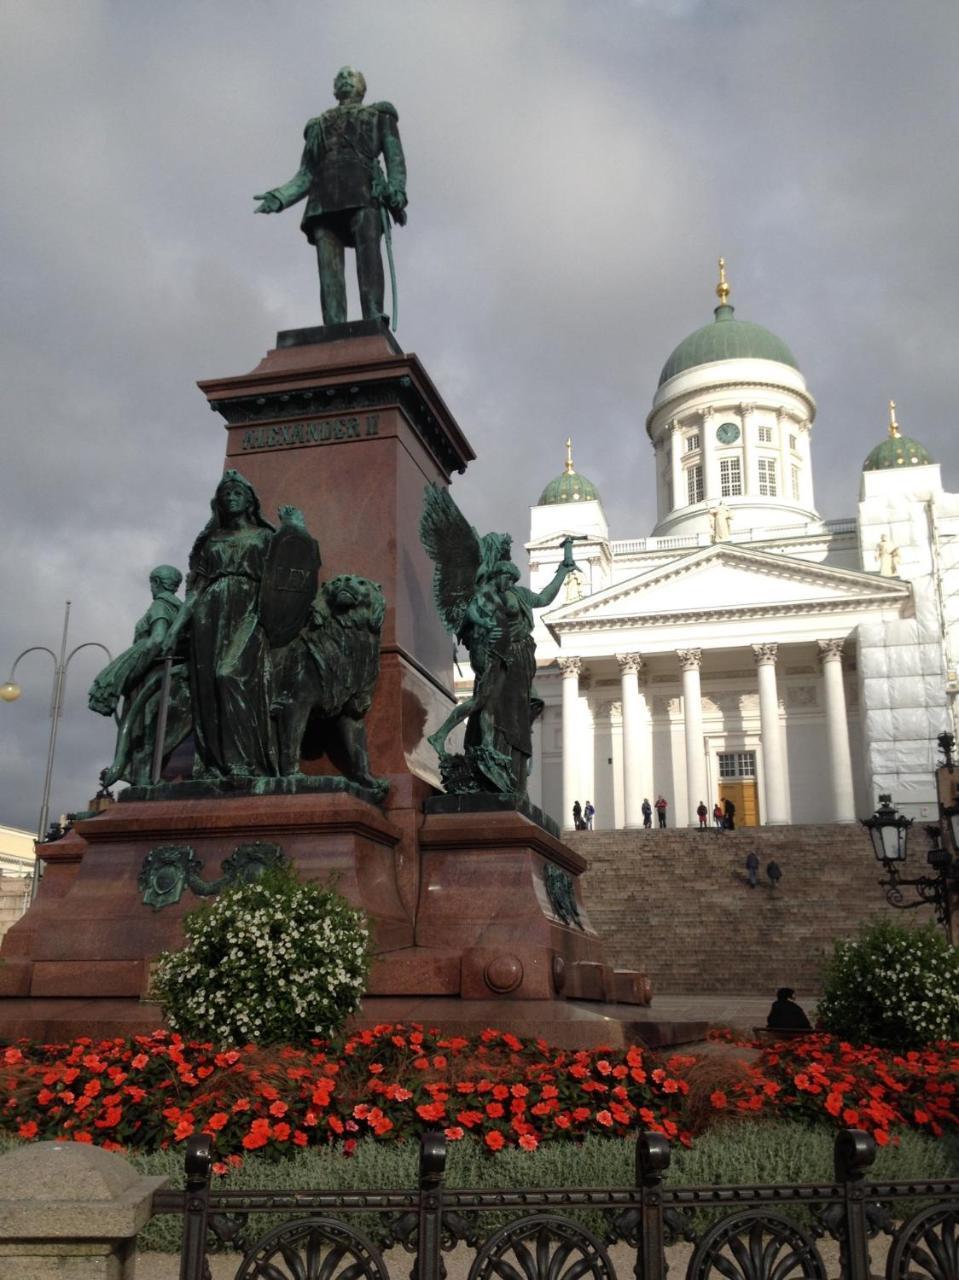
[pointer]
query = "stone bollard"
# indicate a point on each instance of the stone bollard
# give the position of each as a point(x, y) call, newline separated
point(70, 1211)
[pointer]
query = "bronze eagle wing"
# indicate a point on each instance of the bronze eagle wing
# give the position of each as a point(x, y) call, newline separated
point(454, 546)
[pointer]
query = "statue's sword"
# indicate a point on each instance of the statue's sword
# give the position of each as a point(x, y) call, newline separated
point(388, 235)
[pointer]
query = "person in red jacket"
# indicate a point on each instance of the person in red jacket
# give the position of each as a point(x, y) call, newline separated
point(660, 807)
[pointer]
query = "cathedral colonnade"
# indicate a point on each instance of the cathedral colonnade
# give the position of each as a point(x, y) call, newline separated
point(638, 766)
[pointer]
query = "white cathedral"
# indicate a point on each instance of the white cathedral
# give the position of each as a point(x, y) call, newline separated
point(747, 648)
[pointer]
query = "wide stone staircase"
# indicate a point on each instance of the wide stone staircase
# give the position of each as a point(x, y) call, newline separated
point(677, 903)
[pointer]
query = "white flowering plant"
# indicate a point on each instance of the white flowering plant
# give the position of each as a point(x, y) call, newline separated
point(893, 987)
point(268, 962)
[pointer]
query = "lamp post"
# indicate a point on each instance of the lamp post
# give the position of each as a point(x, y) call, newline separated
point(889, 833)
point(10, 691)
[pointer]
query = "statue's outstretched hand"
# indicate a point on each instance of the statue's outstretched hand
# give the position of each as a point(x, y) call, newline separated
point(270, 203)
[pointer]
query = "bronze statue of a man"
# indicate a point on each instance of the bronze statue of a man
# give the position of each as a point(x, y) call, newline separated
point(349, 197)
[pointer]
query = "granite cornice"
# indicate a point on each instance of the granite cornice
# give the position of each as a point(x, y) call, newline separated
point(303, 396)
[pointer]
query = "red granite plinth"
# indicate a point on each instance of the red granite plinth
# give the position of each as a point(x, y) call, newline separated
point(89, 932)
point(567, 1023)
point(485, 893)
point(471, 912)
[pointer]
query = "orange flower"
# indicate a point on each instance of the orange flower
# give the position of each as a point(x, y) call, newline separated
point(431, 1111)
point(217, 1120)
point(454, 1133)
point(494, 1140)
point(718, 1099)
point(28, 1129)
point(528, 1142)
point(604, 1118)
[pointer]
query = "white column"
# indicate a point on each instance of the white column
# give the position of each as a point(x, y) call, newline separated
point(707, 442)
point(534, 786)
point(616, 751)
point(746, 418)
point(787, 427)
point(676, 462)
point(837, 729)
point(629, 665)
point(809, 499)
point(774, 771)
point(690, 660)
point(570, 668)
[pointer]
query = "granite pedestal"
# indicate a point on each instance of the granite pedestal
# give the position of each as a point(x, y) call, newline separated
point(469, 902)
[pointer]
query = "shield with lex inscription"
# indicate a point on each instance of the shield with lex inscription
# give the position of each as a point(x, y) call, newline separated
point(289, 583)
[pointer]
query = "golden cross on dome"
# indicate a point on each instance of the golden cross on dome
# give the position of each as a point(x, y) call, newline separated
point(894, 432)
point(569, 457)
point(722, 289)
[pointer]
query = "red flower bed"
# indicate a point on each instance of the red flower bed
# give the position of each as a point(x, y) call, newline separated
point(821, 1078)
point(393, 1082)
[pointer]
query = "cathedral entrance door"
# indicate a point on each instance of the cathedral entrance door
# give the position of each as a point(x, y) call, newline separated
point(742, 792)
point(737, 782)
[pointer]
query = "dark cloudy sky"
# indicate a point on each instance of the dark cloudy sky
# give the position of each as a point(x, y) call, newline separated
point(575, 169)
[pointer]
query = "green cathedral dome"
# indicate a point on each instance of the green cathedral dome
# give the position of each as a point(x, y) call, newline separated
point(726, 339)
point(896, 450)
point(570, 486)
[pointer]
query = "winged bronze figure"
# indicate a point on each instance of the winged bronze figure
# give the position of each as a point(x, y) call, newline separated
point(477, 593)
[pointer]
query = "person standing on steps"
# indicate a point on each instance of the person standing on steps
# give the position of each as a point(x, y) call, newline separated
point(718, 816)
point(729, 814)
point(589, 813)
point(774, 871)
point(702, 813)
point(647, 814)
point(661, 810)
point(578, 823)
point(752, 869)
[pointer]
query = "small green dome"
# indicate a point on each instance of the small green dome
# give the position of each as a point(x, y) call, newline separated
point(569, 487)
point(897, 451)
point(726, 339)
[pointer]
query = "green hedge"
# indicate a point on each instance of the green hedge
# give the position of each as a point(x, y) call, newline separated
point(744, 1152)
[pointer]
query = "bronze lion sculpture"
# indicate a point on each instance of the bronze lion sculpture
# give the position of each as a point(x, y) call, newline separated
point(328, 674)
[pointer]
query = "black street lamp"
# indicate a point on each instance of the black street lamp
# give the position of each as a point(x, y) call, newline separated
point(889, 833)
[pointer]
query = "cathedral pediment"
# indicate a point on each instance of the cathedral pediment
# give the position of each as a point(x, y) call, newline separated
point(727, 581)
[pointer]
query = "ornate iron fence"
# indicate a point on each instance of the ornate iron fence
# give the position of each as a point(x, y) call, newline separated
point(737, 1233)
